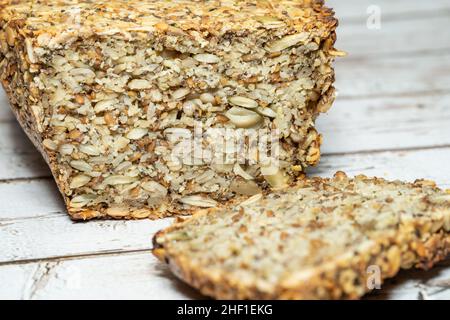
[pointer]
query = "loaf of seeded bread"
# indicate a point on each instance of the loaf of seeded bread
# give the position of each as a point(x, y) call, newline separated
point(101, 86)
point(320, 239)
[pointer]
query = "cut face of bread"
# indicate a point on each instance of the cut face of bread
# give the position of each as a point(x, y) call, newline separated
point(320, 239)
point(107, 89)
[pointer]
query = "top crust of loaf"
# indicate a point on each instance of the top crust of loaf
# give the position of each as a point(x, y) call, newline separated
point(210, 18)
point(315, 240)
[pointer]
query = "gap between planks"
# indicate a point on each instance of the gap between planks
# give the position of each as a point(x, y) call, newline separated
point(400, 9)
point(78, 257)
point(75, 257)
point(147, 276)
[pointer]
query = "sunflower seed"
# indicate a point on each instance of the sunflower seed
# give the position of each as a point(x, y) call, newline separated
point(245, 188)
point(121, 143)
point(66, 149)
point(207, 98)
point(118, 211)
point(270, 22)
point(275, 177)
point(441, 199)
point(252, 200)
point(30, 51)
point(82, 73)
point(243, 118)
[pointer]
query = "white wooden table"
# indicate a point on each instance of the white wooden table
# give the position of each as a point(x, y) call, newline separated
point(392, 119)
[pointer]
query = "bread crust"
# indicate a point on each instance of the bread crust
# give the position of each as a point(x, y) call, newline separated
point(343, 278)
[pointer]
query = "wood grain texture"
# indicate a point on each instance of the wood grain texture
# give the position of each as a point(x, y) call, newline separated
point(352, 125)
point(407, 95)
point(386, 123)
point(139, 276)
point(58, 236)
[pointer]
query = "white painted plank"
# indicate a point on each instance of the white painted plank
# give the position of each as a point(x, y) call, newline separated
point(395, 37)
point(140, 276)
point(408, 284)
point(377, 76)
point(54, 235)
point(388, 123)
point(354, 78)
point(350, 126)
point(131, 276)
point(14, 138)
point(357, 9)
point(387, 76)
point(28, 199)
point(34, 227)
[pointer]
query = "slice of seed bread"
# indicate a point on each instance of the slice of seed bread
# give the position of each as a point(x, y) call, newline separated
point(319, 239)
